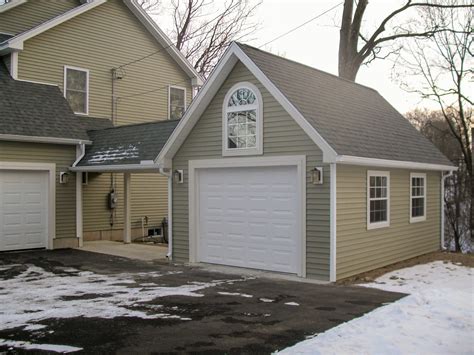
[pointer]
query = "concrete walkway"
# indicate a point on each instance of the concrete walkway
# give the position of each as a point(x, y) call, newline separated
point(136, 251)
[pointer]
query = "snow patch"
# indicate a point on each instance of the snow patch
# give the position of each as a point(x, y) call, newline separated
point(266, 300)
point(86, 294)
point(292, 304)
point(437, 318)
point(45, 347)
point(235, 294)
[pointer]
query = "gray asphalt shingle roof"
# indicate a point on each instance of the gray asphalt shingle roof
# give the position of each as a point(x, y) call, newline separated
point(38, 110)
point(128, 144)
point(355, 120)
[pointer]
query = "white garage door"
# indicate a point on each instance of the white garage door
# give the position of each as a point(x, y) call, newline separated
point(249, 217)
point(23, 210)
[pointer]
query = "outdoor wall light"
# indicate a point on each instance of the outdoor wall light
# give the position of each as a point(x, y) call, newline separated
point(63, 177)
point(317, 176)
point(178, 176)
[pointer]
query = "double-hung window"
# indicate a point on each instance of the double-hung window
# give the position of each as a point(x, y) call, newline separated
point(417, 197)
point(76, 89)
point(242, 121)
point(378, 199)
point(177, 102)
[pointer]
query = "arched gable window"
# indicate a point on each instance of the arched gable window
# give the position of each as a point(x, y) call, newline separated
point(242, 120)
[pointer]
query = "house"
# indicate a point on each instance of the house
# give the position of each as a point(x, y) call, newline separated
point(282, 167)
point(74, 73)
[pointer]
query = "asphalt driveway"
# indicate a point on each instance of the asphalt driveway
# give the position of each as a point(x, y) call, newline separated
point(72, 300)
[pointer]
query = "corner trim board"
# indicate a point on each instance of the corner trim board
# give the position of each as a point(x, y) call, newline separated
point(333, 221)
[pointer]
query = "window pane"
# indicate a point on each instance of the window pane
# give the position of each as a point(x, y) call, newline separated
point(76, 80)
point(378, 211)
point(77, 101)
point(241, 97)
point(177, 103)
point(418, 207)
point(251, 142)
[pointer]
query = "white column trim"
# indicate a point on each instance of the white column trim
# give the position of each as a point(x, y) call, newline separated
point(333, 221)
point(127, 217)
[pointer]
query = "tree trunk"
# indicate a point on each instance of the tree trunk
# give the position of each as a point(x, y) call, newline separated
point(348, 71)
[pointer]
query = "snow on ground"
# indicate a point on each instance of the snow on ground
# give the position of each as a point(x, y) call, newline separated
point(36, 294)
point(436, 318)
point(45, 347)
point(235, 294)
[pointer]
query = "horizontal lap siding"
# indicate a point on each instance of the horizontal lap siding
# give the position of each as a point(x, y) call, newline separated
point(63, 157)
point(33, 13)
point(149, 198)
point(103, 38)
point(359, 249)
point(99, 40)
point(282, 136)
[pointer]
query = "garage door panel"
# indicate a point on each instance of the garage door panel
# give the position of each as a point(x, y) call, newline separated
point(258, 213)
point(23, 209)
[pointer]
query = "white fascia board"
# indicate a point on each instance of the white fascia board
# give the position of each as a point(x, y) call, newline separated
point(16, 43)
point(36, 139)
point(163, 39)
point(210, 88)
point(197, 107)
point(353, 160)
point(10, 5)
point(141, 168)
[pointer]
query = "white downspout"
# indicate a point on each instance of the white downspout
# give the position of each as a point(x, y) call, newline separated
point(170, 212)
point(443, 179)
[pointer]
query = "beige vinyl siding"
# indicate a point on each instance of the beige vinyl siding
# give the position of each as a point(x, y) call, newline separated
point(149, 198)
point(103, 38)
point(33, 13)
point(359, 249)
point(282, 136)
point(63, 156)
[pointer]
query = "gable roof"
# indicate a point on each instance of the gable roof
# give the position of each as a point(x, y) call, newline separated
point(349, 122)
point(15, 43)
point(36, 110)
point(131, 145)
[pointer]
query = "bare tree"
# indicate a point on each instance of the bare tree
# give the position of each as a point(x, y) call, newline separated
point(153, 7)
point(357, 48)
point(441, 69)
point(202, 29)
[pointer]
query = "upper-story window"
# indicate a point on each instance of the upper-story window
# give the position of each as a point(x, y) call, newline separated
point(378, 199)
point(242, 121)
point(417, 197)
point(177, 102)
point(76, 89)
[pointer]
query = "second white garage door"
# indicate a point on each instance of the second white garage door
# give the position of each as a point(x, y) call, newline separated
point(23, 210)
point(249, 217)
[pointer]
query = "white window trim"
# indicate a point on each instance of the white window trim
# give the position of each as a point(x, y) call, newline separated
point(66, 67)
point(169, 98)
point(387, 222)
point(420, 218)
point(258, 150)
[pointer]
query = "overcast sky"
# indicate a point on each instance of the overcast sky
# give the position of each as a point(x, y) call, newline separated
point(316, 44)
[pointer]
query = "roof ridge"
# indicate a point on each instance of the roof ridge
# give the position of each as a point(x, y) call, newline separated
point(134, 124)
point(306, 66)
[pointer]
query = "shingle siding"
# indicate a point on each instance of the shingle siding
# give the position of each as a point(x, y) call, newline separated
point(282, 136)
point(359, 249)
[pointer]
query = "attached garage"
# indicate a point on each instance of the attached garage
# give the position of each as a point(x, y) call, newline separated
point(26, 206)
point(250, 214)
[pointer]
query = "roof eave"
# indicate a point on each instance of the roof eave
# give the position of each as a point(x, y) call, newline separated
point(139, 168)
point(41, 139)
point(385, 163)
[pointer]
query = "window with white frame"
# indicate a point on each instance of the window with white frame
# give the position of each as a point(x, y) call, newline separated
point(177, 102)
point(417, 197)
point(242, 121)
point(76, 89)
point(378, 199)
